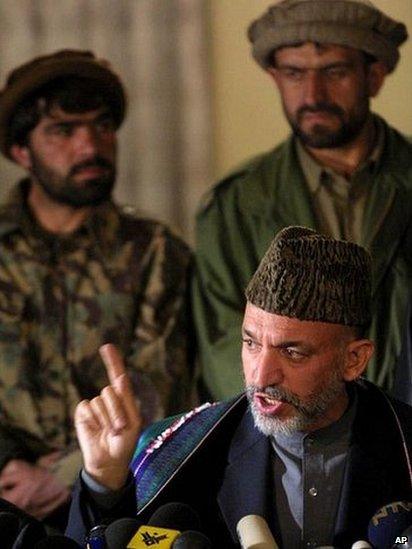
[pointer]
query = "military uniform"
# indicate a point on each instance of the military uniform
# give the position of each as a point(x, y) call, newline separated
point(118, 279)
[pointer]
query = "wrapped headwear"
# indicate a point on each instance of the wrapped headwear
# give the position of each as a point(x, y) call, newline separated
point(353, 23)
point(308, 276)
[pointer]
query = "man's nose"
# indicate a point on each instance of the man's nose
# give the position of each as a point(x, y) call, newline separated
point(86, 140)
point(268, 369)
point(315, 88)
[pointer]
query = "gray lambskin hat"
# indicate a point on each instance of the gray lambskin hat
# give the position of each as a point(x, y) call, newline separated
point(308, 276)
point(353, 23)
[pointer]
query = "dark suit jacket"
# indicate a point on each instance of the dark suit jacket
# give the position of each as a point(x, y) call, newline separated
point(230, 475)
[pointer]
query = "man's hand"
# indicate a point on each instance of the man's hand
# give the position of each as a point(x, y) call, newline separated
point(32, 488)
point(108, 426)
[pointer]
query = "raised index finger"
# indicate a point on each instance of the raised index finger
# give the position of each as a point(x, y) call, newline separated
point(119, 379)
point(113, 361)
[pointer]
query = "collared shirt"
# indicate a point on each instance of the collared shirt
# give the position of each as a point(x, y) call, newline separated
point(308, 472)
point(118, 279)
point(339, 203)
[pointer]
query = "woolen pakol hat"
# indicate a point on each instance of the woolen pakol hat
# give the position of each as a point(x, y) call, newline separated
point(353, 23)
point(308, 276)
point(29, 77)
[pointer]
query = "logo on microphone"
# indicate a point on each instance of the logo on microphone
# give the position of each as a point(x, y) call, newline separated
point(391, 509)
point(153, 540)
point(151, 536)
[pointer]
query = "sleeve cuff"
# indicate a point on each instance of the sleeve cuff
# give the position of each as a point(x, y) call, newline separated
point(103, 496)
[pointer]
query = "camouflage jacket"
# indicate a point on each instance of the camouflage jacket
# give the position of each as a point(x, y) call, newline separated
point(118, 279)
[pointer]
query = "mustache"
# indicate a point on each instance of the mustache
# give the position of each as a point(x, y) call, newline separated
point(282, 395)
point(329, 108)
point(95, 162)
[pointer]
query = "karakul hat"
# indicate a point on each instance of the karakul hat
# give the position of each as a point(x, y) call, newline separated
point(308, 276)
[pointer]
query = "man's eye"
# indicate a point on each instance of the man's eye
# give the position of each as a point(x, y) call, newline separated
point(292, 74)
point(336, 73)
point(249, 343)
point(293, 354)
point(62, 129)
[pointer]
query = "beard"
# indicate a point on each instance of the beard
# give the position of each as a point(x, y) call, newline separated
point(65, 190)
point(321, 136)
point(307, 412)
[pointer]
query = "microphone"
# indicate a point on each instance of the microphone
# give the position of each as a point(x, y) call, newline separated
point(254, 533)
point(165, 525)
point(9, 526)
point(388, 523)
point(164, 528)
point(191, 540)
point(96, 537)
point(361, 544)
point(29, 535)
point(178, 516)
point(118, 534)
point(56, 542)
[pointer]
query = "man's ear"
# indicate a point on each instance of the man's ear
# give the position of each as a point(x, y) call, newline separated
point(274, 74)
point(377, 72)
point(358, 354)
point(21, 155)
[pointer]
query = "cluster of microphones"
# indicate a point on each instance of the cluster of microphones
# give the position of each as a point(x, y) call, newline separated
point(173, 526)
point(177, 526)
point(389, 528)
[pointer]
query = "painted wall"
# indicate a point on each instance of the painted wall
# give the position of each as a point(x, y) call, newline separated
point(247, 113)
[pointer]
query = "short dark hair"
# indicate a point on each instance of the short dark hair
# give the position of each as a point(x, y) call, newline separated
point(72, 94)
point(360, 332)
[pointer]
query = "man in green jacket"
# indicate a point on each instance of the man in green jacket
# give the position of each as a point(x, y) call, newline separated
point(343, 172)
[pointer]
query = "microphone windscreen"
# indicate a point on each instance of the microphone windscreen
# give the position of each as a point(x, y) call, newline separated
point(120, 532)
point(28, 536)
point(191, 540)
point(254, 533)
point(176, 516)
point(9, 527)
point(56, 542)
point(165, 525)
point(361, 544)
point(96, 537)
point(388, 523)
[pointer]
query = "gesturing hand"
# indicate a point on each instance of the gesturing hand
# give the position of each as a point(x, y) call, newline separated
point(108, 426)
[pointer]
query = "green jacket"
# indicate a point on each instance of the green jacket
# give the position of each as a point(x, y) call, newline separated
point(119, 279)
point(240, 217)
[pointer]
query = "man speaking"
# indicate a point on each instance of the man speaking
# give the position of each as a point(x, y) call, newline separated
point(309, 446)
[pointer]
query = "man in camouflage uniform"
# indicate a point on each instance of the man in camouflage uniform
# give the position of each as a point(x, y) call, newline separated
point(76, 271)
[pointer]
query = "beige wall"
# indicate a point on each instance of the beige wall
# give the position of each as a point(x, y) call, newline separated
point(247, 113)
